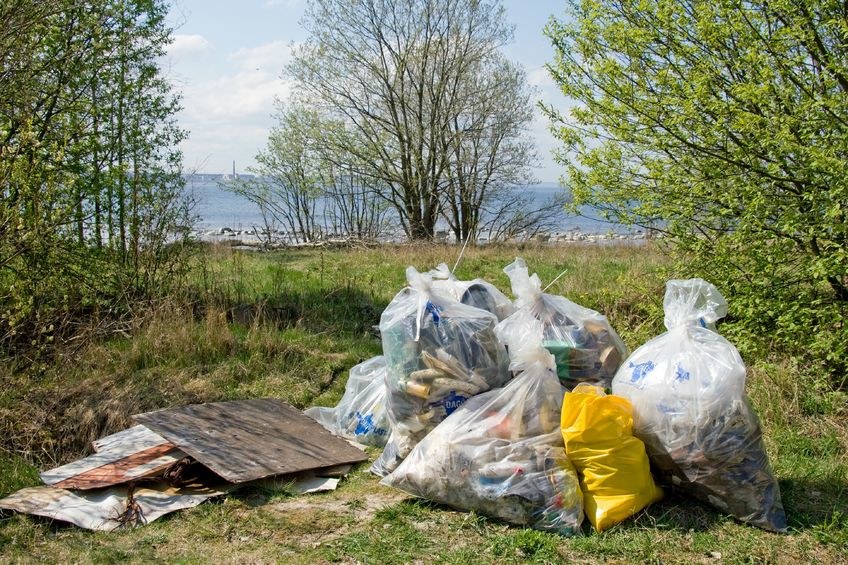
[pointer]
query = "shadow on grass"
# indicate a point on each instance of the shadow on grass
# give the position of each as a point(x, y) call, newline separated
point(675, 512)
point(336, 310)
point(808, 504)
point(681, 513)
point(678, 512)
point(812, 503)
point(10, 520)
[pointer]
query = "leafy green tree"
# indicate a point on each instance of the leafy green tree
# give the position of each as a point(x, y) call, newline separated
point(724, 126)
point(90, 186)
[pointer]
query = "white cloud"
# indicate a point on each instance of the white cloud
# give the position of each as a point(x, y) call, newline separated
point(188, 45)
point(229, 116)
point(271, 56)
point(247, 93)
point(242, 96)
point(540, 77)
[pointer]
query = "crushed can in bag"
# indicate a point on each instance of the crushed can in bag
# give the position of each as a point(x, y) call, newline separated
point(501, 453)
point(439, 353)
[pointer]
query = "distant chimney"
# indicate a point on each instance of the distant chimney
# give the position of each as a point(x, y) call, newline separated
point(234, 168)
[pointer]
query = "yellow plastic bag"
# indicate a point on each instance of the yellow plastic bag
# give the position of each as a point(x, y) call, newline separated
point(612, 464)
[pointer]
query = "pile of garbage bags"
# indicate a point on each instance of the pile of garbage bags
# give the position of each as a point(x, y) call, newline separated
point(533, 411)
point(501, 452)
point(439, 353)
point(586, 348)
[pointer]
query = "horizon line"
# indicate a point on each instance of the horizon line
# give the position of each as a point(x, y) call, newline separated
point(255, 175)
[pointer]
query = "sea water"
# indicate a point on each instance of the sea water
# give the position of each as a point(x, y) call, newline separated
point(216, 208)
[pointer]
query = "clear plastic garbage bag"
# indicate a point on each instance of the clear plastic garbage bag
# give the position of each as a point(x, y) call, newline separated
point(360, 415)
point(687, 387)
point(477, 292)
point(501, 454)
point(439, 353)
point(585, 346)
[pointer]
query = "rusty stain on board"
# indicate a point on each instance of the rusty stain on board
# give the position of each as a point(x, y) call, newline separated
point(152, 461)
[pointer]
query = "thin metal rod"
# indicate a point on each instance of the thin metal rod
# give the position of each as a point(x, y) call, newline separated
point(555, 280)
point(458, 259)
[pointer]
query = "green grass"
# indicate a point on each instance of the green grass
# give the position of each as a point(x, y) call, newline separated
point(290, 324)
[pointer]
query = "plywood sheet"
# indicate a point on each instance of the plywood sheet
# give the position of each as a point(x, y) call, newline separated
point(132, 439)
point(250, 439)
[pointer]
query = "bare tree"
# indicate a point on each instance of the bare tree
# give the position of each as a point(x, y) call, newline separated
point(308, 188)
point(353, 208)
point(288, 188)
point(395, 72)
point(490, 152)
point(512, 214)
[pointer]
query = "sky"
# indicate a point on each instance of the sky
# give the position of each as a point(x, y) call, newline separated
point(227, 59)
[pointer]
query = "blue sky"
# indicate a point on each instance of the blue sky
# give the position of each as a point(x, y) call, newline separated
point(227, 59)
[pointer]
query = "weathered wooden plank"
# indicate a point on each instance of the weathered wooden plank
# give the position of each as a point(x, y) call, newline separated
point(130, 440)
point(128, 455)
point(250, 439)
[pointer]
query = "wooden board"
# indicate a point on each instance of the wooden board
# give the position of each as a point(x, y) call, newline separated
point(126, 456)
point(251, 439)
point(135, 438)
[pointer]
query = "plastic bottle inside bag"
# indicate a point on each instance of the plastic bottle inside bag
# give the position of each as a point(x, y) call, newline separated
point(439, 353)
point(584, 345)
point(501, 452)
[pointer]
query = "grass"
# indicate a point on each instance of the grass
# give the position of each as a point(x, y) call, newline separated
point(290, 325)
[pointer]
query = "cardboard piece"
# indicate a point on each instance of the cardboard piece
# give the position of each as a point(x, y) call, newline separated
point(123, 457)
point(101, 509)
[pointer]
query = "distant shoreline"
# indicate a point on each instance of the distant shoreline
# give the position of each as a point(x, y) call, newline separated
point(251, 239)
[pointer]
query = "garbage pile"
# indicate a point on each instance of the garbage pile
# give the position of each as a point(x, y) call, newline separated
point(586, 348)
point(179, 457)
point(480, 404)
point(513, 418)
point(439, 353)
point(687, 387)
point(501, 452)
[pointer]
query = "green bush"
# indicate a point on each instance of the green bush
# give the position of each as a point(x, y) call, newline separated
point(724, 127)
